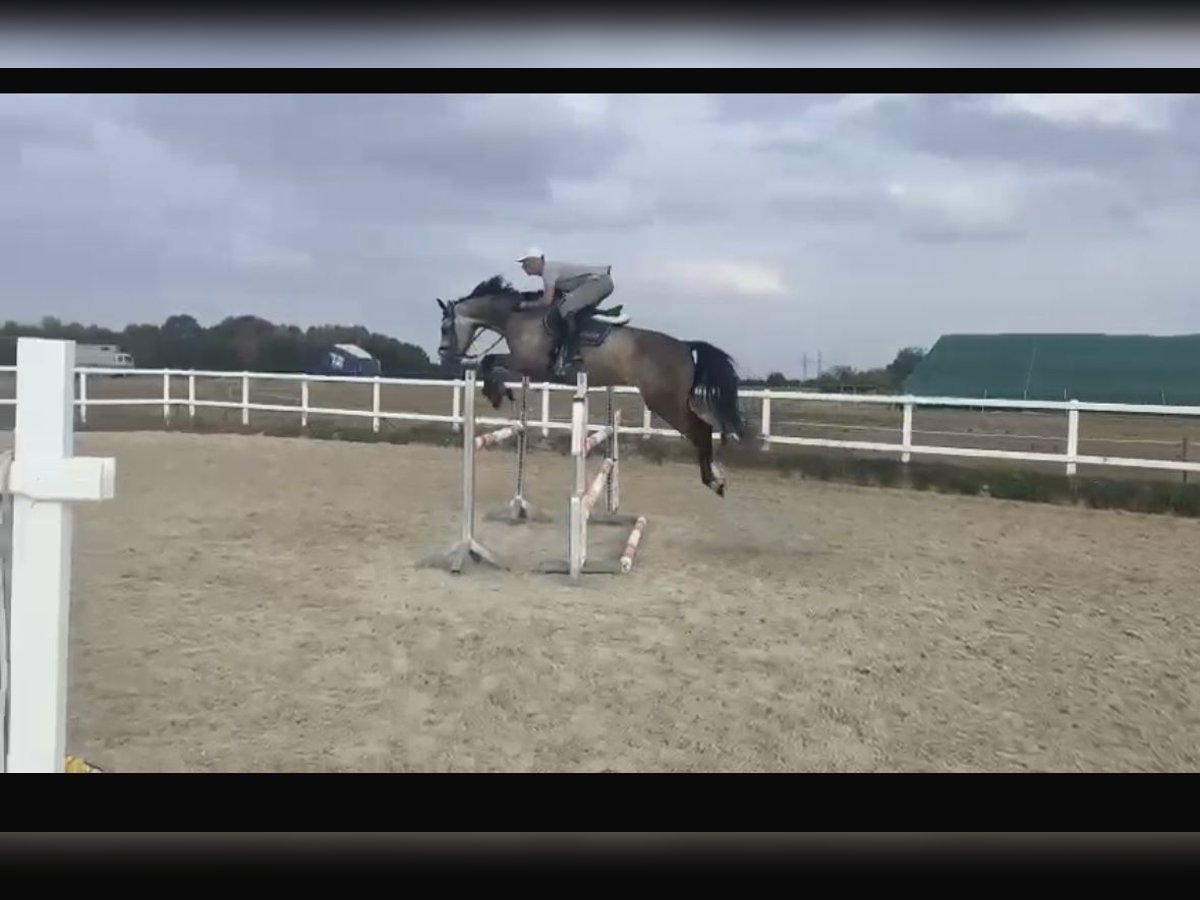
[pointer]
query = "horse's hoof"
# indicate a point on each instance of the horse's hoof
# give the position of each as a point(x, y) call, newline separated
point(494, 397)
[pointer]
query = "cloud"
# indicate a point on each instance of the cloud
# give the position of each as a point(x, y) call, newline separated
point(864, 222)
point(956, 210)
point(1136, 111)
point(923, 209)
point(1004, 130)
point(723, 276)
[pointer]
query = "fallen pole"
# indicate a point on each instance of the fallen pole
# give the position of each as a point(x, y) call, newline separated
point(496, 437)
point(631, 545)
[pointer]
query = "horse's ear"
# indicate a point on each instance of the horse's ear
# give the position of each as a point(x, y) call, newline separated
point(440, 303)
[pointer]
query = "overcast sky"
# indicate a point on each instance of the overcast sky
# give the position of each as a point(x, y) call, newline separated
point(772, 225)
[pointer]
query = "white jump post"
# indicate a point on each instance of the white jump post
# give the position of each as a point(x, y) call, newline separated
point(586, 494)
point(467, 546)
point(518, 510)
point(42, 479)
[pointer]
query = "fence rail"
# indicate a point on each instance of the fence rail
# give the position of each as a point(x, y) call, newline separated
point(905, 446)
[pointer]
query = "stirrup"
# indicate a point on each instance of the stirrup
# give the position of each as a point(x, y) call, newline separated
point(564, 365)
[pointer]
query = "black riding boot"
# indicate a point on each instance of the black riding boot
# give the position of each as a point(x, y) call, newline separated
point(569, 355)
point(558, 331)
point(573, 351)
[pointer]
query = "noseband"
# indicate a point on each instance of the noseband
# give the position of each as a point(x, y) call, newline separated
point(450, 316)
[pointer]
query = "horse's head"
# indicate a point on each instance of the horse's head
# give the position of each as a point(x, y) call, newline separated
point(458, 332)
point(487, 306)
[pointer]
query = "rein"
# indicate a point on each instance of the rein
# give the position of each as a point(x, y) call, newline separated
point(498, 339)
point(464, 353)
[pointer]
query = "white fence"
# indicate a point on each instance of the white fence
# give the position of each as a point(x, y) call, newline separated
point(905, 447)
point(39, 481)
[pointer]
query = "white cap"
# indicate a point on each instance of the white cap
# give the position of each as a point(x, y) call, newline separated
point(531, 253)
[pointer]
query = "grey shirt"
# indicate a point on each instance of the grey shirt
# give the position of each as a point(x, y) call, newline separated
point(565, 276)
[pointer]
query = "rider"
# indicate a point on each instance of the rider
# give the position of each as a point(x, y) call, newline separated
point(583, 286)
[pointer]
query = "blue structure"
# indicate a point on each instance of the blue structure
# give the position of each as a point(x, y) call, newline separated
point(346, 359)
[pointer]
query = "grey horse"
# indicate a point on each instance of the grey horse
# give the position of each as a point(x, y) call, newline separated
point(692, 385)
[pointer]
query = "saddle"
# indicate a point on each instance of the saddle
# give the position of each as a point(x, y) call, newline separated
point(594, 324)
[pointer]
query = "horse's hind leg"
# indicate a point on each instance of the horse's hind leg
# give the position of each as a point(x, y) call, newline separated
point(699, 433)
point(681, 417)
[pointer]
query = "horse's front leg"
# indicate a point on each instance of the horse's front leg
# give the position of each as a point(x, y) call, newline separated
point(494, 387)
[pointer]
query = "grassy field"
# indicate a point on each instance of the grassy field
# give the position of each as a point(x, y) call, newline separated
point(1122, 435)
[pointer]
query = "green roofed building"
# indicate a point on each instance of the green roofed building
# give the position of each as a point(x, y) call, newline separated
point(1101, 368)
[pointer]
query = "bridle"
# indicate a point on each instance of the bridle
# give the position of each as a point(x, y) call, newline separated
point(449, 317)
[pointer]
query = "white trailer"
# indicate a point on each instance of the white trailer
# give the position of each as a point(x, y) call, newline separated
point(106, 356)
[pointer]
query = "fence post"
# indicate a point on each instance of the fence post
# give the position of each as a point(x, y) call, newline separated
point(1072, 436)
point(166, 397)
point(245, 398)
point(375, 405)
point(191, 395)
point(906, 433)
point(456, 408)
point(45, 478)
point(545, 410)
point(765, 429)
point(83, 398)
point(1183, 455)
point(612, 417)
point(304, 403)
point(645, 421)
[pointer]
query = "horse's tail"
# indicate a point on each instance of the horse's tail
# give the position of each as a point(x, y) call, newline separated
point(715, 389)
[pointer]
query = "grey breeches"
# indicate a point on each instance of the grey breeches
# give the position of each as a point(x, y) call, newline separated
point(590, 293)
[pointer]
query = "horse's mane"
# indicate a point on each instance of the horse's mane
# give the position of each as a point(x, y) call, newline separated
point(498, 285)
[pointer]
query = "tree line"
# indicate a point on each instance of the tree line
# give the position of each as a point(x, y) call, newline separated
point(235, 343)
point(887, 379)
point(250, 343)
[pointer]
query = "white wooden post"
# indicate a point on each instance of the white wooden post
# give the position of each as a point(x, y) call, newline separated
point(304, 403)
point(765, 430)
point(645, 421)
point(545, 411)
point(166, 397)
point(456, 408)
point(45, 478)
point(1072, 436)
point(577, 540)
point(83, 398)
point(245, 398)
point(613, 495)
point(375, 405)
point(906, 433)
point(191, 395)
